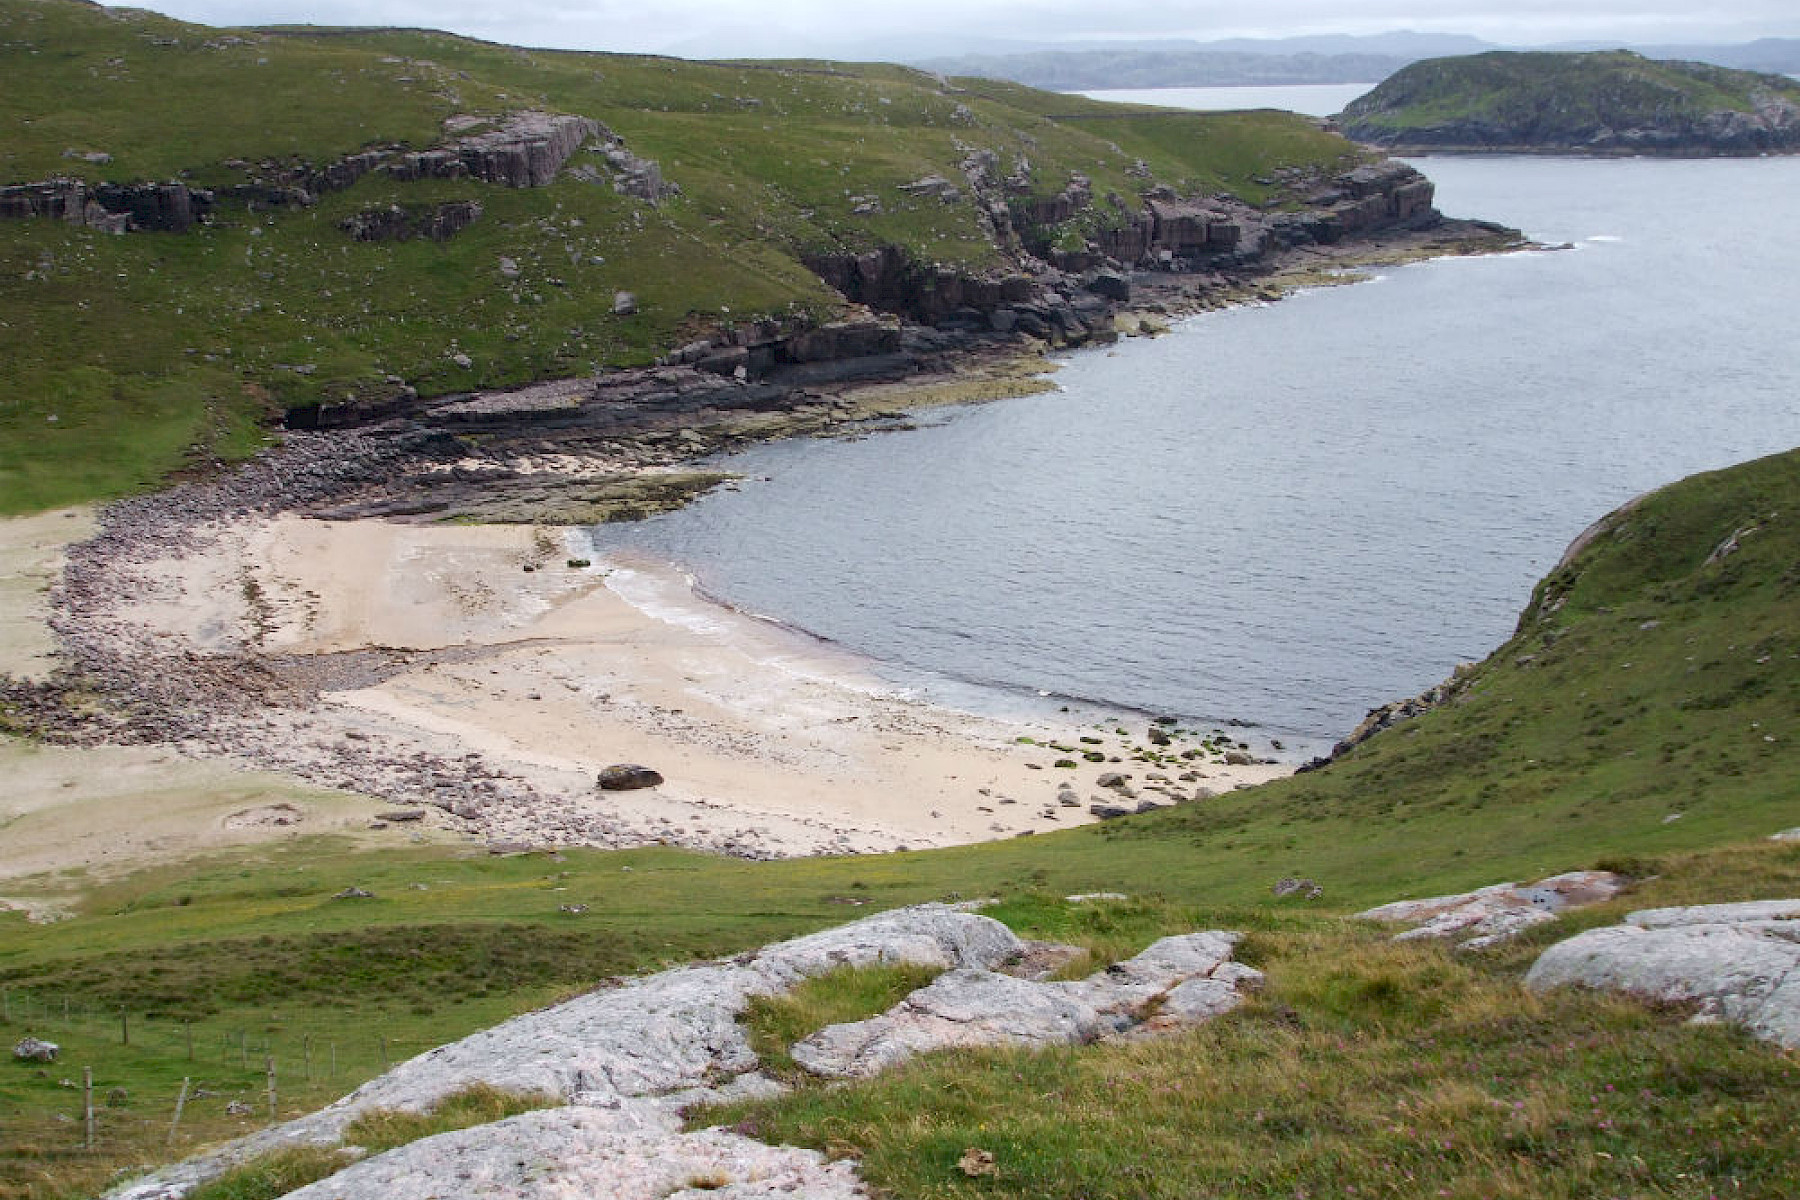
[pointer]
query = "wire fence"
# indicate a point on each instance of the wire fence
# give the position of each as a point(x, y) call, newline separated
point(155, 1083)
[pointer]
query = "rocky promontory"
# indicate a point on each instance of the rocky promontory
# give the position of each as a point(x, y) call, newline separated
point(1610, 103)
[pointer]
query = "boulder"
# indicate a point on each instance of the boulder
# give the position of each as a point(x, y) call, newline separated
point(1735, 962)
point(625, 777)
point(1495, 914)
point(33, 1049)
point(1110, 285)
point(1107, 812)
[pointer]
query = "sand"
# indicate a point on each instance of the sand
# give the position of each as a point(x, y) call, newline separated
point(31, 557)
point(529, 682)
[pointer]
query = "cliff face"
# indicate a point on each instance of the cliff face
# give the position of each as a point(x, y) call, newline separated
point(1607, 103)
point(1063, 292)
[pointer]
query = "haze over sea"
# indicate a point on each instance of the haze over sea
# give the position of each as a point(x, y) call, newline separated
point(1290, 513)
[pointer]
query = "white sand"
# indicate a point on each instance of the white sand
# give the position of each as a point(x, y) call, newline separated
point(770, 743)
point(760, 732)
point(31, 557)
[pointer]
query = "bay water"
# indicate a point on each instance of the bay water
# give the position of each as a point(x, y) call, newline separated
point(1287, 514)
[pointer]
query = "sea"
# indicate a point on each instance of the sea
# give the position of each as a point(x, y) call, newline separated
point(1286, 514)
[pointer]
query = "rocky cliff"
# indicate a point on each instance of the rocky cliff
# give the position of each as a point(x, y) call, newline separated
point(1609, 103)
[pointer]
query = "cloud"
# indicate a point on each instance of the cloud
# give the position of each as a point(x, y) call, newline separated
point(766, 27)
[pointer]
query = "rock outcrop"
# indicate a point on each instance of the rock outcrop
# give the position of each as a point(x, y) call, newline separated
point(1177, 981)
point(643, 1049)
point(619, 1064)
point(1491, 915)
point(525, 149)
point(625, 1154)
point(109, 207)
point(1733, 962)
point(396, 223)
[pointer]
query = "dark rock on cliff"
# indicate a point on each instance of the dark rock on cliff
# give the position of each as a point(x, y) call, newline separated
point(395, 223)
point(1615, 102)
point(111, 207)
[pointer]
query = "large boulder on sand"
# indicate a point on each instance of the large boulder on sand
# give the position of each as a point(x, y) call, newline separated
point(624, 777)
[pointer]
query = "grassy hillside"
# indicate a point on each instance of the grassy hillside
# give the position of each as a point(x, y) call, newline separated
point(1641, 718)
point(1606, 102)
point(130, 356)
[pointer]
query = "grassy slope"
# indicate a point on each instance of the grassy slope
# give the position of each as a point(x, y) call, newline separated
point(1558, 755)
point(153, 350)
point(1551, 91)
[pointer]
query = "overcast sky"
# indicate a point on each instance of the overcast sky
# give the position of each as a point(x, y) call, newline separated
point(912, 27)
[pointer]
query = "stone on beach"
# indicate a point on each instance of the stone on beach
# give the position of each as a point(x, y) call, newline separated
point(624, 777)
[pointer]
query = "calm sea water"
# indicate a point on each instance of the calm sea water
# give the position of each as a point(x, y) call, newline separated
point(1313, 99)
point(1290, 513)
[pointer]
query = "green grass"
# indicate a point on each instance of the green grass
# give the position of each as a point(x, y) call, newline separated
point(155, 352)
point(1365, 1068)
point(273, 1175)
point(478, 1104)
point(775, 1023)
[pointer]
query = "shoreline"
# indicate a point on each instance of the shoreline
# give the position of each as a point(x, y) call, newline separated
point(473, 674)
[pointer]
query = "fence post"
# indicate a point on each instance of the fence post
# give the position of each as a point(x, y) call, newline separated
point(187, 1029)
point(385, 1061)
point(124, 1028)
point(180, 1103)
point(87, 1106)
point(243, 1051)
point(269, 1065)
point(306, 1056)
point(334, 1060)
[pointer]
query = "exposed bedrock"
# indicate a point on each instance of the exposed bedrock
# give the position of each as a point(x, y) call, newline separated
point(1732, 962)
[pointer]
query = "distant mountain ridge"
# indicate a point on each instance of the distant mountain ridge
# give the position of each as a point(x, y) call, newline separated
point(1282, 61)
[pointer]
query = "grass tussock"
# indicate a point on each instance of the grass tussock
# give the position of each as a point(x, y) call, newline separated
point(775, 1023)
point(274, 1174)
point(478, 1104)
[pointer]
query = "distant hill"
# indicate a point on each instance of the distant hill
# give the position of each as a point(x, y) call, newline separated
point(1612, 102)
point(1235, 62)
point(1078, 70)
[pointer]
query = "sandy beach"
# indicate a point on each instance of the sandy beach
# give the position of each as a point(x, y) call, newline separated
point(478, 674)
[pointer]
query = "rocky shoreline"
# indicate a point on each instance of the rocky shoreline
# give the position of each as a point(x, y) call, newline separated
point(564, 453)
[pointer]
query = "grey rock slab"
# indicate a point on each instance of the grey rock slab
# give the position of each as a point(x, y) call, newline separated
point(972, 1007)
point(663, 1034)
point(1495, 914)
point(1715, 914)
point(1747, 973)
point(565, 1152)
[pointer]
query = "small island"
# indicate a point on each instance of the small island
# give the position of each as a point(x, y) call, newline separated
point(1608, 103)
